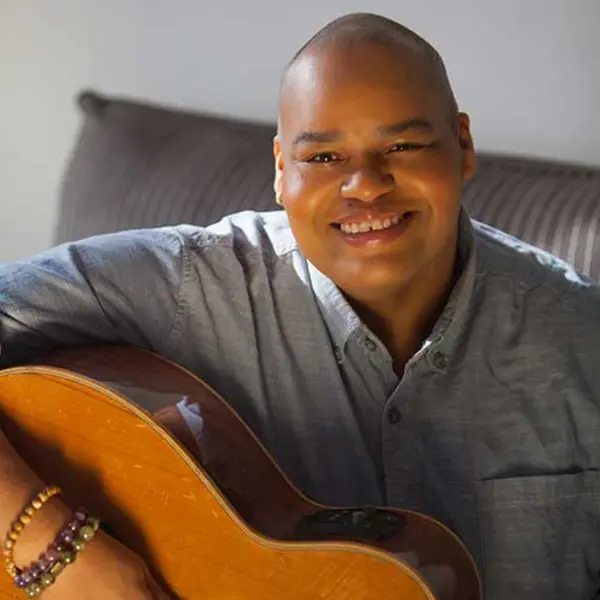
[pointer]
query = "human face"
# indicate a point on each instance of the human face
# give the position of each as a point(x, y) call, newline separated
point(365, 141)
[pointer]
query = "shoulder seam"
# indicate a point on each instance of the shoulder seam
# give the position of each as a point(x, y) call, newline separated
point(185, 276)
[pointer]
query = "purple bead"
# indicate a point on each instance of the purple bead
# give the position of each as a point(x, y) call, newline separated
point(43, 563)
point(58, 546)
point(19, 581)
point(67, 536)
point(35, 571)
point(26, 578)
point(80, 516)
point(74, 525)
point(52, 554)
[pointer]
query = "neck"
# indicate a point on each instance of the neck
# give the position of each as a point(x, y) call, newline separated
point(403, 319)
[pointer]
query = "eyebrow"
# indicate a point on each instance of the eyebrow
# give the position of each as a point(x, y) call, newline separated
point(402, 126)
point(323, 137)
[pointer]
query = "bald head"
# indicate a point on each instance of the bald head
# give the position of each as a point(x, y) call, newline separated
point(359, 29)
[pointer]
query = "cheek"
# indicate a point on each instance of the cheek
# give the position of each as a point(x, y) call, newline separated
point(305, 198)
point(300, 180)
point(292, 183)
point(306, 193)
point(435, 180)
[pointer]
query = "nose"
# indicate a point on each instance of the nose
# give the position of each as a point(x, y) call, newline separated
point(370, 180)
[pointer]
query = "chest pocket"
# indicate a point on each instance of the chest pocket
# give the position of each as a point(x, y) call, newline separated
point(541, 536)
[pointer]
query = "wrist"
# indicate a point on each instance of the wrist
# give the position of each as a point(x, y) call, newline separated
point(40, 532)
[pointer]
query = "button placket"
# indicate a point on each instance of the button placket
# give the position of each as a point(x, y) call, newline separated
point(339, 355)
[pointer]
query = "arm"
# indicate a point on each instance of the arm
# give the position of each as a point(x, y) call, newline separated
point(120, 288)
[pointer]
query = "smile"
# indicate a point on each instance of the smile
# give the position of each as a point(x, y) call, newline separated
point(371, 225)
point(373, 232)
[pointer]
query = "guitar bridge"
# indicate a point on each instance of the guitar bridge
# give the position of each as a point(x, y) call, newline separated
point(367, 523)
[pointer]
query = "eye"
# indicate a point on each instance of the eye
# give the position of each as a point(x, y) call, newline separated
point(323, 157)
point(407, 146)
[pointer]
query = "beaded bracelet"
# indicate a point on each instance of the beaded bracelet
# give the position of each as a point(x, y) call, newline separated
point(21, 522)
point(80, 529)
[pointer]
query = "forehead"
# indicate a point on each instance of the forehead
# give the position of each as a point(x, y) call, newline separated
point(359, 87)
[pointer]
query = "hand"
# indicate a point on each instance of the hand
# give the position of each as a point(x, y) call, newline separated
point(106, 570)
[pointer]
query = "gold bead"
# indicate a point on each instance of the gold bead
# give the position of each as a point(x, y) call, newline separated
point(12, 570)
point(18, 526)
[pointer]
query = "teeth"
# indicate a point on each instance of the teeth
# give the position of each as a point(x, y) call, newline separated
point(365, 226)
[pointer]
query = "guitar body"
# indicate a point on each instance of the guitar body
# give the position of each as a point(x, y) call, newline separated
point(212, 515)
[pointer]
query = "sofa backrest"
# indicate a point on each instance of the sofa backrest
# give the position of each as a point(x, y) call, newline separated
point(138, 165)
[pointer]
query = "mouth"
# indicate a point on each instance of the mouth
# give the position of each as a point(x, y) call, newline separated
point(371, 224)
point(375, 230)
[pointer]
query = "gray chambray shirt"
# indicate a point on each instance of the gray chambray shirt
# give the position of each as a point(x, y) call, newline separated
point(494, 428)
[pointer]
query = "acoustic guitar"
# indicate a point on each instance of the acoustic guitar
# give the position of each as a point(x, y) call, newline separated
point(188, 486)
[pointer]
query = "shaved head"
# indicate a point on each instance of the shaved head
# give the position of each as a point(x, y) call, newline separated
point(360, 29)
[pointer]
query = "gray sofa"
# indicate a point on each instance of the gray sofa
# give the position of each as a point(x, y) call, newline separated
point(137, 165)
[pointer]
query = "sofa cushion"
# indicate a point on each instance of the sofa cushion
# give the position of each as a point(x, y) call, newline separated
point(551, 205)
point(138, 165)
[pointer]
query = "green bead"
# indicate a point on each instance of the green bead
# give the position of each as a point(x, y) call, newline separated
point(78, 545)
point(46, 580)
point(86, 533)
point(93, 523)
point(67, 557)
point(33, 590)
point(57, 569)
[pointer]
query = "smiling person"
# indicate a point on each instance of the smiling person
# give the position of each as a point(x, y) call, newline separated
point(371, 155)
point(385, 348)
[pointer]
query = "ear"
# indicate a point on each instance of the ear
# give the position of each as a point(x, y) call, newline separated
point(465, 140)
point(277, 184)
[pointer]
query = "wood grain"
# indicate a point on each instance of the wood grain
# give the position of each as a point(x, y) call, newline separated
point(212, 520)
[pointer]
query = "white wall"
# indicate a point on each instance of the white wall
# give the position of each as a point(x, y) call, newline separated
point(528, 71)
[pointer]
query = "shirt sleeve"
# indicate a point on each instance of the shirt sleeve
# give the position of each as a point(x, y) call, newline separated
point(117, 288)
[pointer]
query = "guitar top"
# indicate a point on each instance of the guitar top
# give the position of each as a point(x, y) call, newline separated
point(188, 486)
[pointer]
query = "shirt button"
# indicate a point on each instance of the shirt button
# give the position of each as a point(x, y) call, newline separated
point(339, 357)
point(370, 345)
point(439, 360)
point(394, 415)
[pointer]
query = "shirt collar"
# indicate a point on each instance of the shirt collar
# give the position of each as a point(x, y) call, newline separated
point(451, 322)
point(342, 320)
point(340, 317)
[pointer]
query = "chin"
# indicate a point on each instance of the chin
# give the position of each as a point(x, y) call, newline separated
point(372, 280)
